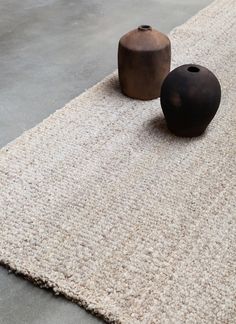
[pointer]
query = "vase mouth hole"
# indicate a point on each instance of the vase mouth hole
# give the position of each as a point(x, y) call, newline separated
point(193, 69)
point(144, 27)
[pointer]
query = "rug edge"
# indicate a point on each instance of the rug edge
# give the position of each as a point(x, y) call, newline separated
point(50, 287)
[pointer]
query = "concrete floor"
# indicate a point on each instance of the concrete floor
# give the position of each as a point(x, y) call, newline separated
point(50, 52)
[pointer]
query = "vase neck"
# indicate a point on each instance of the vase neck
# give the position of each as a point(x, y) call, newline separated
point(144, 28)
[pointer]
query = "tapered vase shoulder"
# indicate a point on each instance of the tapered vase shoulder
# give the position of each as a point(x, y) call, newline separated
point(144, 38)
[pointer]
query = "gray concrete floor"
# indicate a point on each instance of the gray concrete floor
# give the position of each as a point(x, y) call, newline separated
point(50, 52)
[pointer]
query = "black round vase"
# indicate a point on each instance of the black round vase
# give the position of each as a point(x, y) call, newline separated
point(190, 97)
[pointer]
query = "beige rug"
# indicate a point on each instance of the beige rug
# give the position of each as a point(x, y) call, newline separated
point(101, 203)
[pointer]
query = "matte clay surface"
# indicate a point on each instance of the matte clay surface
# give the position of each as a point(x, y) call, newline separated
point(190, 98)
point(144, 56)
point(34, 319)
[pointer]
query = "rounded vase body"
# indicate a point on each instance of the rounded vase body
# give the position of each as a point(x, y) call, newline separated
point(143, 62)
point(190, 97)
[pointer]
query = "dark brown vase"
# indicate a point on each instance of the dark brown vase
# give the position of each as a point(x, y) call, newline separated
point(190, 97)
point(143, 62)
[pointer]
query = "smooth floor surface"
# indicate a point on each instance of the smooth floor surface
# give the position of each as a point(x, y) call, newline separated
point(50, 52)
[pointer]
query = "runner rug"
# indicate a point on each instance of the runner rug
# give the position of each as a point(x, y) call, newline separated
point(101, 203)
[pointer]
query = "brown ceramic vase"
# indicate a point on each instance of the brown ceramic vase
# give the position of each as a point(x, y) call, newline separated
point(143, 62)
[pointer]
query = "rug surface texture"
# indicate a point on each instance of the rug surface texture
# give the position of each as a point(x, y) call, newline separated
point(101, 203)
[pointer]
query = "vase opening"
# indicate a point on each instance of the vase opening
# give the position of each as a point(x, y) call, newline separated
point(193, 69)
point(145, 27)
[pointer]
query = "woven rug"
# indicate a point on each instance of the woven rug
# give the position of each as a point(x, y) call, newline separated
point(101, 203)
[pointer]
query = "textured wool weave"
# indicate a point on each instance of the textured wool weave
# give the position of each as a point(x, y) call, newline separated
point(104, 205)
